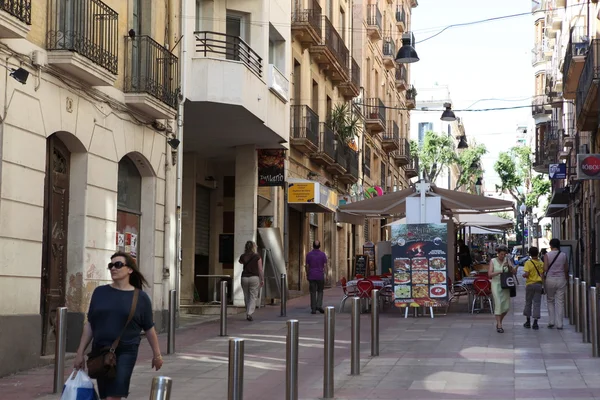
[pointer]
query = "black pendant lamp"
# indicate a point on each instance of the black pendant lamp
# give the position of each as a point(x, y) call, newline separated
point(448, 114)
point(462, 143)
point(407, 53)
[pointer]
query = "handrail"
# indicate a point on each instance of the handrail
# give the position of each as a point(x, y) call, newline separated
point(327, 140)
point(232, 47)
point(304, 124)
point(311, 15)
point(375, 109)
point(352, 162)
point(334, 42)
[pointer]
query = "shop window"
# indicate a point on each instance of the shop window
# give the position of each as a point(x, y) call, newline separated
point(129, 205)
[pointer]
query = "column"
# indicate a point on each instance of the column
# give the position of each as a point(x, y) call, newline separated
point(246, 188)
point(188, 228)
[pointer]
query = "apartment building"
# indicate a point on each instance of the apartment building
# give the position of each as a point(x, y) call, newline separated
point(237, 64)
point(90, 91)
point(567, 122)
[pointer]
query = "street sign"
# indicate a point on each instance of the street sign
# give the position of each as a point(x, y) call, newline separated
point(588, 166)
point(557, 171)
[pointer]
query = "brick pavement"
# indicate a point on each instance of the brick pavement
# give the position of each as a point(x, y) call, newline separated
point(458, 356)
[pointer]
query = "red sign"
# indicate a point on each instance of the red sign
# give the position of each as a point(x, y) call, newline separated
point(590, 165)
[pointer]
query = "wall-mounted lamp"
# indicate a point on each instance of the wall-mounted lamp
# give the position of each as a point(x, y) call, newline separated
point(20, 75)
point(174, 144)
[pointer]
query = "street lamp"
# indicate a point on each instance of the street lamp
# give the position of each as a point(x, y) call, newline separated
point(523, 210)
point(448, 114)
point(407, 53)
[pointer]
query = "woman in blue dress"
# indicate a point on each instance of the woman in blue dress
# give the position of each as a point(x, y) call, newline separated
point(108, 313)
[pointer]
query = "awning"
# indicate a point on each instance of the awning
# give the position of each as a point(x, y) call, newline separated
point(452, 203)
point(478, 230)
point(483, 220)
point(558, 205)
point(311, 196)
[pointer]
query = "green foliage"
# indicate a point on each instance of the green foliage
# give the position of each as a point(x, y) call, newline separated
point(414, 149)
point(436, 153)
point(343, 122)
point(469, 165)
point(540, 186)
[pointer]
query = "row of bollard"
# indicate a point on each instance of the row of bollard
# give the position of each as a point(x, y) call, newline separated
point(582, 311)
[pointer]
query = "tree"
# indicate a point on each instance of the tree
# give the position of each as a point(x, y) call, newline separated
point(438, 152)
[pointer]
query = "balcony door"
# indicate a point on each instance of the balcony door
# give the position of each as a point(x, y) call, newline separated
point(66, 25)
point(235, 30)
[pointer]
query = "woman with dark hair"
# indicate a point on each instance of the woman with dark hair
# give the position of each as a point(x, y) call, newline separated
point(501, 296)
point(556, 268)
point(108, 314)
point(252, 277)
point(533, 272)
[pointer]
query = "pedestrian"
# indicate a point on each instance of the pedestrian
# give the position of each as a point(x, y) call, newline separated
point(464, 256)
point(533, 273)
point(252, 277)
point(501, 297)
point(556, 269)
point(117, 314)
point(316, 270)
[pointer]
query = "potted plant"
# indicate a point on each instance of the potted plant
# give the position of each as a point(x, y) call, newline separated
point(343, 123)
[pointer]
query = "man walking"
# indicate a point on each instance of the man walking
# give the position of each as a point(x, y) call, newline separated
point(316, 269)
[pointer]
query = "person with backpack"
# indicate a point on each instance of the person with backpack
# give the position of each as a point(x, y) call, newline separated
point(534, 288)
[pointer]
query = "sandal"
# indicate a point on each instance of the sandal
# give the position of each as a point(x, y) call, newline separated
point(499, 329)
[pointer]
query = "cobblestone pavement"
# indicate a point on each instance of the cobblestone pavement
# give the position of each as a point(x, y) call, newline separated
point(458, 356)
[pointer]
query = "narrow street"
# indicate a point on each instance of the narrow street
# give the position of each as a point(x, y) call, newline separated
point(458, 356)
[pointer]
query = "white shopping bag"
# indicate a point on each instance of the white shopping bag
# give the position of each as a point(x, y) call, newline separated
point(79, 386)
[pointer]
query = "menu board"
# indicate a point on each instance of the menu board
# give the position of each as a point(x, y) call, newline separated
point(419, 253)
point(360, 265)
point(369, 250)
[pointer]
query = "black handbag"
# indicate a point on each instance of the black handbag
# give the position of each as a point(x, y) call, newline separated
point(507, 280)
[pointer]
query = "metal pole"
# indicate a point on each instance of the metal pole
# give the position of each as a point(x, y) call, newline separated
point(223, 331)
point(161, 388)
point(577, 304)
point(172, 321)
point(375, 322)
point(585, 333)
point(60, 349)
point(236, 369)
point(594, 320)
point(291, 360)
point(328, 361)
point(355, 337)
point(283, 287)
point(571, 301)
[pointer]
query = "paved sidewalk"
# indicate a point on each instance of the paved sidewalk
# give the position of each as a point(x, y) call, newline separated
point(458, 356)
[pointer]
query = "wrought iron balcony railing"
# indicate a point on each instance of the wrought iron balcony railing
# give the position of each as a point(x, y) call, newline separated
point(355, 73)
point(392, 133)
point(20, 9)
point(352, 162)
point(305, 124)
point(589, 74)
point(211, 44)
point(151, 69)
point(327, 140)
point(335, 44)
point(311, 15)
point(87, 27)
point(389, 47)
point(401, 73)
point(375, 109)
point(341, 154)
point(578, 46)
point(400, 14)
point(374, 17)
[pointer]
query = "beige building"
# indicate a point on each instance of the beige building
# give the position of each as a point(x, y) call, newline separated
point(89, 97)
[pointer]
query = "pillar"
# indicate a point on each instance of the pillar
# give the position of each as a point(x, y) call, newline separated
point(188, 228)
point(246, 190)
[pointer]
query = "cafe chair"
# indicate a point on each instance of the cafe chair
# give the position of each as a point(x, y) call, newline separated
point(482, 289)
point(348, 292)
point(457, 291)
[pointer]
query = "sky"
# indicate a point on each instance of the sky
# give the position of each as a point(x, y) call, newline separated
point(490, 60)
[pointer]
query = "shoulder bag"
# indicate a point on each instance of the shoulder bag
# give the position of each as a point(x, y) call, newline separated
point(539, 274)
point(102, 363)
point(552, 263)
point(507, 279)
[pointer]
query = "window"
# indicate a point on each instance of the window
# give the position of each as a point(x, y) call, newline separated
point(343, 25)
point(382, 170)
point(367, 162)
point(276, 49)
point(129, 206)
point(424, 127)
point(315, 97)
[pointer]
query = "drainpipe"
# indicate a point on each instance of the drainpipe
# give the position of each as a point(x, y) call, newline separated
point(178, 195)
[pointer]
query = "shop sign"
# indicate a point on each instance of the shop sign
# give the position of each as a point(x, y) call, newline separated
point(420, 258)
point(328, 197)
point(301, 192)
point(271, 167)
point(557, 171)
point(588, 166)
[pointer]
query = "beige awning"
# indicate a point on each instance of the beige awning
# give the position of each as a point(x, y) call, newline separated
point(452, 203)
point(483, 220)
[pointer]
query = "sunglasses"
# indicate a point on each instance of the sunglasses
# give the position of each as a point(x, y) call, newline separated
point(117, 265)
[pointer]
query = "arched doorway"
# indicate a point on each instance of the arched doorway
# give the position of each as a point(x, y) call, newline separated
point(55, 233)
point(129, 206)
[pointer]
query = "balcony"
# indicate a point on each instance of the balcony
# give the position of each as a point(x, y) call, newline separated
point(586, 100)
point(411, 97)
point(374, 22)
point(339, 166)
point(400, 18)
point(411, 169)
point(573, 63)
point(82, 40)
point(402, 155)
point(332, 55)
point(540, 106)
point(389, 53)
point(350, 177)
point(351, 88)
point(15, 19)
point(390, 139)
point(306, 23)
point(325, 154)
point(540, 53)
point(546, 146)
point(374, 115)
point(304, 133)
point(151, 78)
point(401, 77)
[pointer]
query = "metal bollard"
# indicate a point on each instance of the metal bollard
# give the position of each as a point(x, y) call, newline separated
point(375, 322)
point(571, 301)
point(60, 349)
point(291, 360)
point(593, 295)
point(328, 360)
point(355, 338)
point(236, 369)
point(577, 304)
point(584, 313)
point(283, 286)
point(171, 332)
point(161, 388)
point(223, 330)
